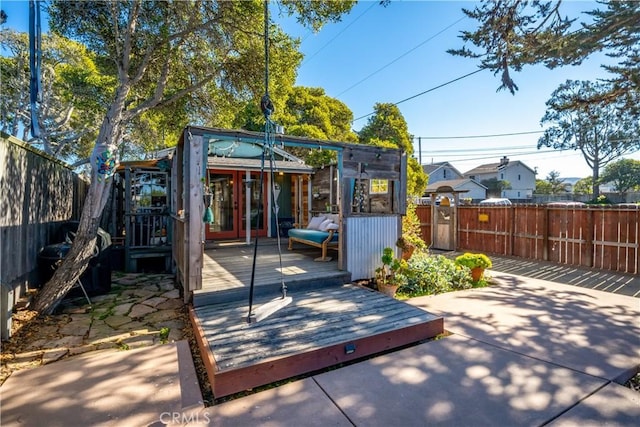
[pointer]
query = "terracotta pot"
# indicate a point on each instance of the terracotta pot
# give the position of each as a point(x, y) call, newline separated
point(389, 290)
point(406, 253)
point(477, 273)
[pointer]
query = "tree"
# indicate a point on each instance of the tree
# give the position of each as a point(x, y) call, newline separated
point(542, 187)
point(388, 128)
point(624, 174)
point(556, 184)
point(515, 33)
point(307, 112)
point(160, 52)
point(73, 92)
point(584, 186)
point(495, 186)
point(601, 131)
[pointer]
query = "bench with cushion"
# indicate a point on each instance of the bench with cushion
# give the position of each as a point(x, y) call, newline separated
point(321, 232)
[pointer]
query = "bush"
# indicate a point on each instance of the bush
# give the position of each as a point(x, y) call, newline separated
point(428, 274)
point(472, 261)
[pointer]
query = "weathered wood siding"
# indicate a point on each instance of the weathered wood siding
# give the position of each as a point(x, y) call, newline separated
point(38, 193)
point(600, 237)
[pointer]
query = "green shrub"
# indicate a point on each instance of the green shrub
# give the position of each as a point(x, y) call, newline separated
point(471, 261)
point(428, 274)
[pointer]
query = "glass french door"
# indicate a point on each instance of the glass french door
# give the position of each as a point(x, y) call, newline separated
point(228, 205)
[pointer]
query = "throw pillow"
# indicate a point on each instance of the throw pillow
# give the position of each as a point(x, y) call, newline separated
point(325, 224)
point(333, 226)
point(315, 222)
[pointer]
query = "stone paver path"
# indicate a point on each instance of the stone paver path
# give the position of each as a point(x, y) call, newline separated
point(140, 311)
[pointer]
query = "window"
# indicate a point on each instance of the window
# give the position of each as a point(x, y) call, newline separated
point(501, 176)
point(379, 186)
point(518, 177)
point(444, 173)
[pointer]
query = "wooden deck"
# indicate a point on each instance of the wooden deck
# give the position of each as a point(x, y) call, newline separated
point(329, 321)
point(226, 274)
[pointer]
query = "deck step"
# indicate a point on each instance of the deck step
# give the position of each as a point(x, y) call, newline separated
point(338, 278)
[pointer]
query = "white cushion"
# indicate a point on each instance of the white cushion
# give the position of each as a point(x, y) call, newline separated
point(325, 223)
point(333, 217)
point(332, 226)
point(314, 223)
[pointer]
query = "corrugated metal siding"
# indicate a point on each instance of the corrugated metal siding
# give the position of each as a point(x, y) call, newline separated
point(366, 237)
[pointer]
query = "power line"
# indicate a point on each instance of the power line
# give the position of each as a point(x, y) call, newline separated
point(337, 35)
point(426, 91)
point(480, 136)
point(400, 57)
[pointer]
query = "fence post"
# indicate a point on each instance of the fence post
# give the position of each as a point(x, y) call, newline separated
point(545, 234)
point(589, 238)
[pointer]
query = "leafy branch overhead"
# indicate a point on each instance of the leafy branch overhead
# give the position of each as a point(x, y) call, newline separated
point(515, 33)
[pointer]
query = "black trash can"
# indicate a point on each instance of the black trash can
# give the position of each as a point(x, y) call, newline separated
point(97, 277)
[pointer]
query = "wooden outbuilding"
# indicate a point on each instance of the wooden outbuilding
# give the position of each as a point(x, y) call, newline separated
point(222, 167)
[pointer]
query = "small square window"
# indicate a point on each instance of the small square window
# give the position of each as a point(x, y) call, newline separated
point(379, 186)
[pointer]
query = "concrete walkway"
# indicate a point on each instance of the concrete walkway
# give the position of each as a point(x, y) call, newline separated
point(525, 352)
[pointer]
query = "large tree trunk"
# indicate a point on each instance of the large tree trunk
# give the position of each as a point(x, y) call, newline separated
point(77, 259)
point(596, 179)
point(82, 249)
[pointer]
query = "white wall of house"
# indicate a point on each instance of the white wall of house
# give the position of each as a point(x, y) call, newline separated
point(475, 191)
point(443, 173)
point(521, 178)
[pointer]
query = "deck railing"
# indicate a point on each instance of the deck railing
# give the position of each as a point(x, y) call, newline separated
point(147, 230)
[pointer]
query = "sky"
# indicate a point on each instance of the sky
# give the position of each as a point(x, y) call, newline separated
point(388, 54)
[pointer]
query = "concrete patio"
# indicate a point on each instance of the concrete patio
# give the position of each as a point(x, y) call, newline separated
point(522, 352)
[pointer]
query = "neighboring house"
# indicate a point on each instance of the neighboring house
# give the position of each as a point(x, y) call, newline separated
point(570, 183)
point(441, 171)
point(468, 188)
point(520, 176)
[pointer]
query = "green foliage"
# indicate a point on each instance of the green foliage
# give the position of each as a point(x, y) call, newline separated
point(411, 232)
point(393, 271)
point(552, 185)
point(512, 34)
point(624, 174)
point(164, 335)
point(601, 131)
point(471, 260)
point(428, 274)
point(583, 186)
point(387, 124)
point(388, 128)
point(600, 200)
point(495, 186)
point(75, 92)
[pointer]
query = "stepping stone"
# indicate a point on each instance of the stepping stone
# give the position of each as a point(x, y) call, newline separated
point(140, 310)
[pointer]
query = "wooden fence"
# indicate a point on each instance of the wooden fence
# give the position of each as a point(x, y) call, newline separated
point(38, 193)
point(607, 238)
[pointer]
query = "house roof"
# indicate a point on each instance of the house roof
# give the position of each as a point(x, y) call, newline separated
point(490, 168)
point(455, 184)
point(432, 167)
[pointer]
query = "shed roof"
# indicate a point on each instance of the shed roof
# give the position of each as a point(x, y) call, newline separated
point(454, 185)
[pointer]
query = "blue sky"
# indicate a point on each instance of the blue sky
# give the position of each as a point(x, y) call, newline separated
point(395, 52)
point(388, 54)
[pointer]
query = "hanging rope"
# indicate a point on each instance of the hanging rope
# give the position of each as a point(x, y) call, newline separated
point(35, 56)
point(267, 108)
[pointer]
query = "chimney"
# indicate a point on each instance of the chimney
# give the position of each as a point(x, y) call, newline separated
point(504, 161)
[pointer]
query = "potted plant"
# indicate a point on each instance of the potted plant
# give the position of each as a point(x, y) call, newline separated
point(407, 247)
point(391, 274)
point(477, 263)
